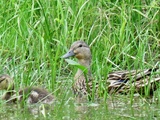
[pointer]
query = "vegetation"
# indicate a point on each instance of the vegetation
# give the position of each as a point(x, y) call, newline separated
point(34, 34)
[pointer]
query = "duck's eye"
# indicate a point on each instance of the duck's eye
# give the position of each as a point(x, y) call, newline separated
point(80, 45)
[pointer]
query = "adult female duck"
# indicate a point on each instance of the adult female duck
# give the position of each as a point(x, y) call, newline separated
point(120, 81)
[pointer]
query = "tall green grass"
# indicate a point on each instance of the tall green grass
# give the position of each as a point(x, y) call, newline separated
point(35, 33)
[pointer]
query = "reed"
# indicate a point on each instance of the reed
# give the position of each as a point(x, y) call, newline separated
point(35, 33)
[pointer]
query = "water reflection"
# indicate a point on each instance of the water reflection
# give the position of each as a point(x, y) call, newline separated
point(116, 107)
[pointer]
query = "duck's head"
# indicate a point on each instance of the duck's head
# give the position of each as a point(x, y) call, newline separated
point(6, 82)
point(81, 51)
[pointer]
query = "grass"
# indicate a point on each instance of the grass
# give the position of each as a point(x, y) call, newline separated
point(35, 33)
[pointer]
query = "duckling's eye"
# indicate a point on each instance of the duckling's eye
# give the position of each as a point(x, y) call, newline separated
point(80, 45)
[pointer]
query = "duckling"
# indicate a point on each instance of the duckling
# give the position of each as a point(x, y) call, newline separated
point(30, 94)
point(6, 83)
point(119, 81)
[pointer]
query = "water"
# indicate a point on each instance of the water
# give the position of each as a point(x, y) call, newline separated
point(66, 107)
point(117, 107)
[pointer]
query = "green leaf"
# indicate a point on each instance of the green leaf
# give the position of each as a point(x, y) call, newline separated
point(71, 62)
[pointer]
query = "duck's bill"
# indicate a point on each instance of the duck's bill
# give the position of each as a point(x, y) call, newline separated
point(68, 54)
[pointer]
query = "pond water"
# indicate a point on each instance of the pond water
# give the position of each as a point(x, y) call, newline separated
point(115, 107)
point(66, 107)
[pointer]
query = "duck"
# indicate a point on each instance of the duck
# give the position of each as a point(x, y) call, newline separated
point(118, 82)
point(30, 95)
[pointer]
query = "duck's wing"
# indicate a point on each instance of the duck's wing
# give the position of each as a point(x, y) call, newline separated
point(123, 81)
point(36, 95)
point(42, 95)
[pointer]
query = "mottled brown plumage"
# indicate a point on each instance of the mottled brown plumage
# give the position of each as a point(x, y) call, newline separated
point(30, 95)
point(119, 81)
point(81, 51)
point(36, 95)
point(137, 80)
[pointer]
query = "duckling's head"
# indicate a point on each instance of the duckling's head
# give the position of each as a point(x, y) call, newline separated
point(6, 82)
point(81, 51)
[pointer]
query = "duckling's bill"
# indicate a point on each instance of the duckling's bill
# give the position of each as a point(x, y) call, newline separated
point(68, 54)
